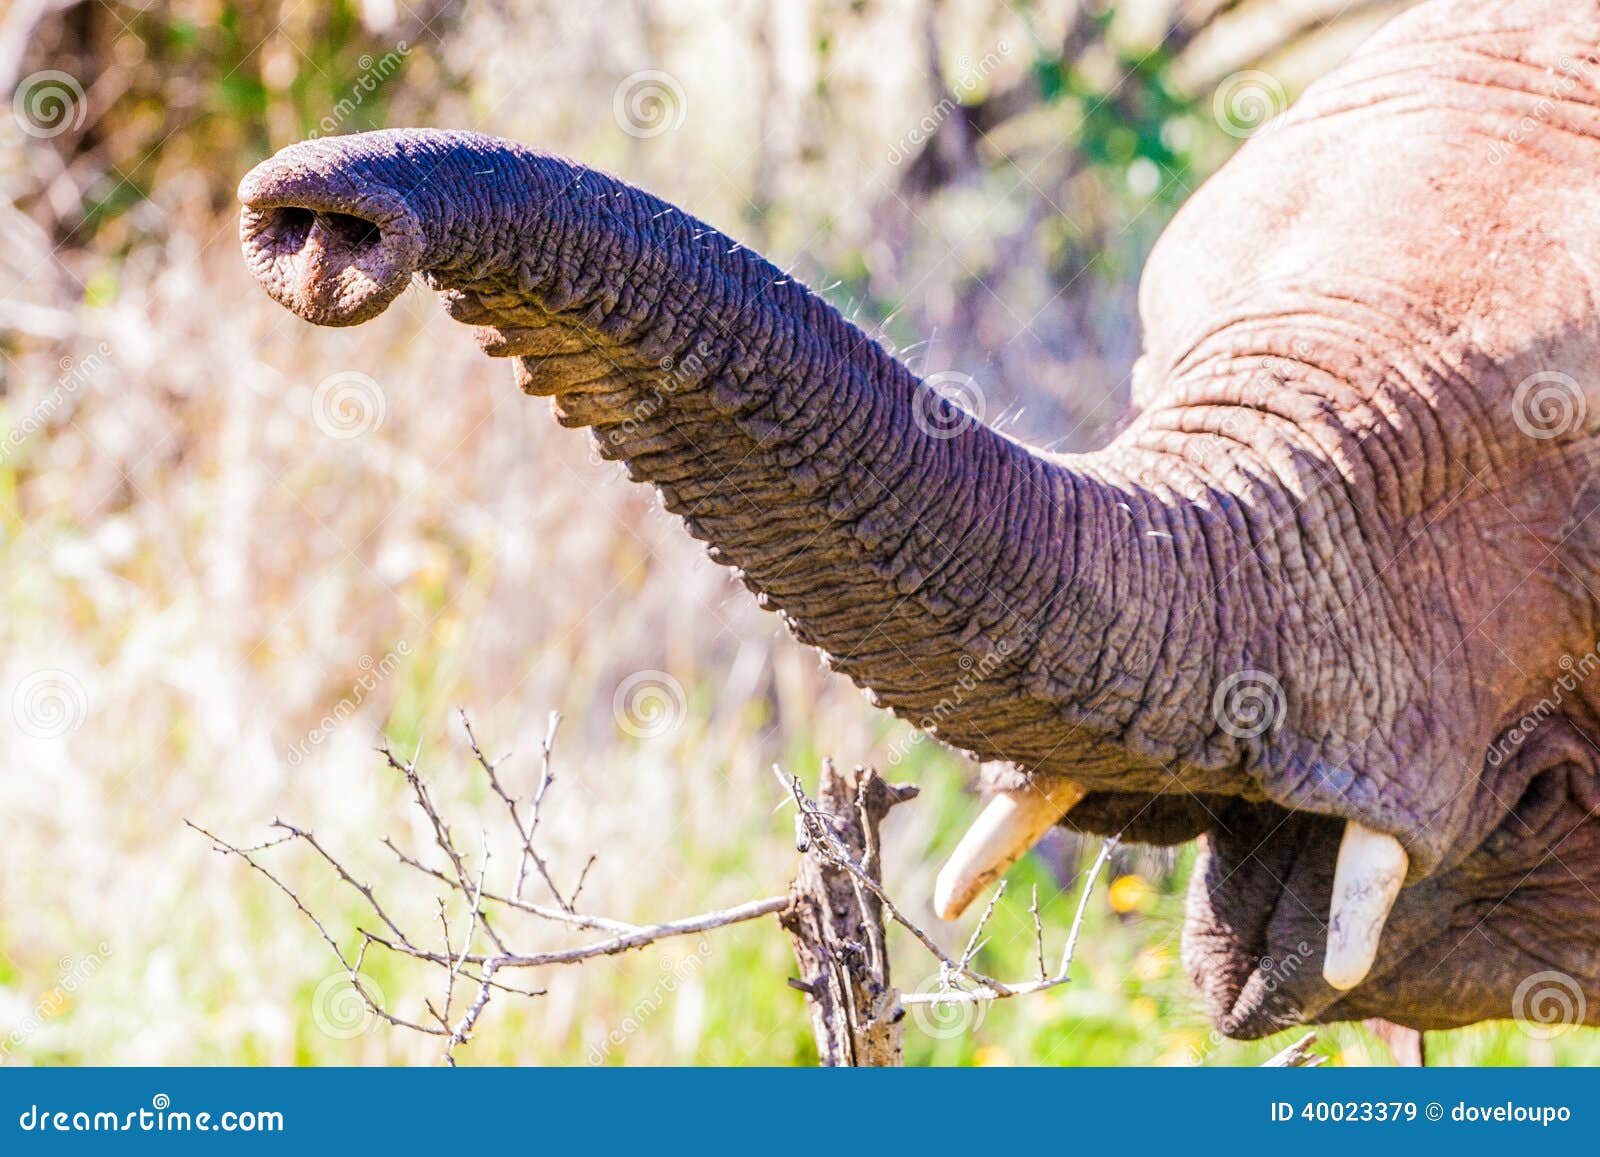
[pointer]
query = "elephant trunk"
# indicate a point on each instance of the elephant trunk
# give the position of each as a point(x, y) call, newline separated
point(1004, 600)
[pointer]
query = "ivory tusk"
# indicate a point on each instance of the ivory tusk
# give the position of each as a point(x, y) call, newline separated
point(1010, 824)
point(1367, 878)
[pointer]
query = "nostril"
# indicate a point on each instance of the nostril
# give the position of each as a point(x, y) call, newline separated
point(356, 232)
point(286, 229)
point(332, 256)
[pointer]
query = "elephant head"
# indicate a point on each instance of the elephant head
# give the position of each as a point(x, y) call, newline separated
point(1295, 608)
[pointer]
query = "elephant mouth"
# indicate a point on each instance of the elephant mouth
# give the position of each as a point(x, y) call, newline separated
point(1465, 945)
point(1256, 927)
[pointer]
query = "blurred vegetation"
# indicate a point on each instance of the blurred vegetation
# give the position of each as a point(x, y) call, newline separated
point(207, 572)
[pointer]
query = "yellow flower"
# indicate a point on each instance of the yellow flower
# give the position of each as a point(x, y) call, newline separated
point(1129, 894)
point(1152, 962)
point(987, 1056)
point(55, 1002)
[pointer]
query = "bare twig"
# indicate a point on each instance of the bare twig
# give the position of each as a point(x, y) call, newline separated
point(460, 959)
point(644, 935)
point(1038, 932)
point(1297, 1055)
point(839, 835)
point(818, 829)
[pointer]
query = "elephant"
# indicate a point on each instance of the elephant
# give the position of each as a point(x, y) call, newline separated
point(1324, 603)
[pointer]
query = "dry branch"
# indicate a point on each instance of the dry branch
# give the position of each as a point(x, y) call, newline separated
point(836, 913)
point(835, 922)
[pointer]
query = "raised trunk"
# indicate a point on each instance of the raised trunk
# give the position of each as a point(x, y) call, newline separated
point(1045, 610)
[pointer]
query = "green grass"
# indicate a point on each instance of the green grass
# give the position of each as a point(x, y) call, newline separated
point(722, 999)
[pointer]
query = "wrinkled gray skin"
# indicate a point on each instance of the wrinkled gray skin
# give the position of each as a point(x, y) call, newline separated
point(1327, 488)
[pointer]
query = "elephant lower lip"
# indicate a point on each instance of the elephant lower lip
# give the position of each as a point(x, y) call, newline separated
point(1255, 931)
